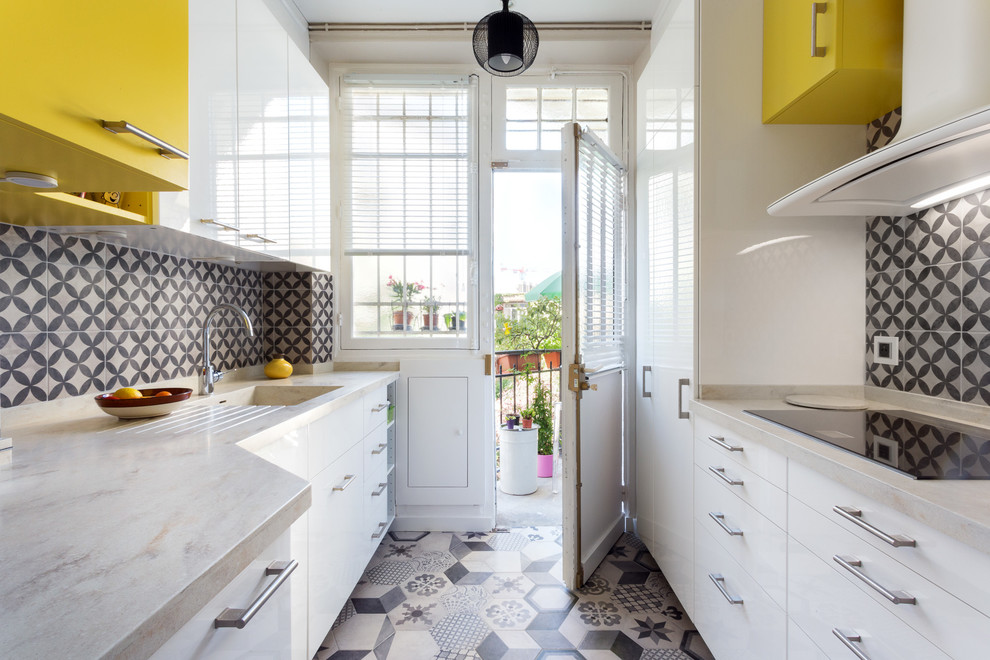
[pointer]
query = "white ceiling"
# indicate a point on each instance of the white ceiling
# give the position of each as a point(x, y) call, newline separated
point(457, 11)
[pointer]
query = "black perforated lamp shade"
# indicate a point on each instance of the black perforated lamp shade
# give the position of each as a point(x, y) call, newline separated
point(505, 42)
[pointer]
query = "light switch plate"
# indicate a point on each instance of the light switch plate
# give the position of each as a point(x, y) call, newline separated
point(885, 350)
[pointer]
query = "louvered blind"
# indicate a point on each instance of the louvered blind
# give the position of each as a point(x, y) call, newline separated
point(408, 168)
point(601, 257)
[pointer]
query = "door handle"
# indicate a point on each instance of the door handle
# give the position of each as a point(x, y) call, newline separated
point(849, 639)
point(816, 8)
point(235, 618)
point(647, 369)
point(681, 384)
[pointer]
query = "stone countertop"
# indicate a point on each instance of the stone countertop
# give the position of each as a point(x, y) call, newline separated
point(959, 509)
point(110, 541)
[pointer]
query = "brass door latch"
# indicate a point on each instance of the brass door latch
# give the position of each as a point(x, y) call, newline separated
point(577, 379)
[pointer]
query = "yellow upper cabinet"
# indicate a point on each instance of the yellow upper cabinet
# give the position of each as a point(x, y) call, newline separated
point(833, 62)
point(68, 66)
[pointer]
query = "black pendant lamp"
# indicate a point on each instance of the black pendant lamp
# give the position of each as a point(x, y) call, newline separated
point(505, 42)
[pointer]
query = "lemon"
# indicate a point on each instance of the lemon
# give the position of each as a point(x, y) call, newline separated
point(127, 393)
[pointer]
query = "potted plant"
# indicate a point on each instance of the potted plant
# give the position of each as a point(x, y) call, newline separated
point(448, 320)
point(431, 313)
point(543, 415)
point(511, 420)
point(461, 320)
point(527, 418)
point(403, 294)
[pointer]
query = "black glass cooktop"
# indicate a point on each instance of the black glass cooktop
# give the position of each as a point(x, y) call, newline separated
point(917, 445)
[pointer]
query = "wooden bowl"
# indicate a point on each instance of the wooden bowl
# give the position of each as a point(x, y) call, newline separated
point(149, 405)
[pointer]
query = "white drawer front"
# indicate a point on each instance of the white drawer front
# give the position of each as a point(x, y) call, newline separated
point(376, 509)
point(331, 436)
point(945, 620)
point(376, 451)
point(756, 629)
point(800, 646)
point(757, 544)
point(375, 404)
point(952, 565)
point(750, 454)
point(762, 495)
point(820, 601)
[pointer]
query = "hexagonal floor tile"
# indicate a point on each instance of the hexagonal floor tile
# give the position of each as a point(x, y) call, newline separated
point(508, 585)
point(508, 614)
point(551, 598)
point(464, 630)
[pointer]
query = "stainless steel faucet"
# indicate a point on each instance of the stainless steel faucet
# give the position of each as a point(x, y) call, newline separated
point(211, 375)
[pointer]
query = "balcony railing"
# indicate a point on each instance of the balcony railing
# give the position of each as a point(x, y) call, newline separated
point(513, 391)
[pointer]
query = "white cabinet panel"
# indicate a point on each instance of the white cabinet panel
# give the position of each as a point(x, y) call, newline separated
point(738, 448)
point(375, 451)
point(375, 408)
point(755, 629)
point(438, 433)
point(331, 436)
point(800, 646)
point(753, 489)
point(819, 601)
point(757, 544)
point(267, 635)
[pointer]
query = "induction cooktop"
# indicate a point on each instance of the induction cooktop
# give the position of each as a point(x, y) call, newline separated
point(917, 445)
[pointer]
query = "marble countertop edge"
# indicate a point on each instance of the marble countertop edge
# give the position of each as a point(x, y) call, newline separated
point(955, 508)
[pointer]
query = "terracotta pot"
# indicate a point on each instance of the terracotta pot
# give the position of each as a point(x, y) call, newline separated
point(431, 321)
point(527, 423)
point(397, 323)
point(552, 359)
point(544, 465)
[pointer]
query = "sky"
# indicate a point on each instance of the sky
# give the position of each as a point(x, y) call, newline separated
point(527, 229)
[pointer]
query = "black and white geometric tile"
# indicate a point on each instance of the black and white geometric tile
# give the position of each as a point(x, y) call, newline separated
point(882, 130)
point(499, 597)
point(80, 316)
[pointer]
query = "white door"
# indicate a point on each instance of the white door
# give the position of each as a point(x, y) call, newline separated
point(594, 344)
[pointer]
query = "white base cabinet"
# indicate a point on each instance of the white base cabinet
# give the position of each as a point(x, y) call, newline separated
point(267, 635)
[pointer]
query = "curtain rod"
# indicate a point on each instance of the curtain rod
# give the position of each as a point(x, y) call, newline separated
point(639, 26)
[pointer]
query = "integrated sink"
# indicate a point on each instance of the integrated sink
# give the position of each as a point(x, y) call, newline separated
point(272, 395)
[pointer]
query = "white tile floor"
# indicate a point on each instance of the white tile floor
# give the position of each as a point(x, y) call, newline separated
point(500, 597)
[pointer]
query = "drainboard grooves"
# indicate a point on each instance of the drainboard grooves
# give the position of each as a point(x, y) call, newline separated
point(199, 418)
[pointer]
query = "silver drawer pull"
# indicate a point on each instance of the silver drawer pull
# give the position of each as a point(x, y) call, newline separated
point(380, 407)
point(348, 480)
point(855, 516)
point(221, 225)
point(259, 238)
point(719, 519)
point(381, 448)
point(233, 618)
point(720, 473)
point(381, 489)
point(381, 530)
point(164, 148)
point(720, 441)
point(719, 581)
point(852, 565)
point(848, 639)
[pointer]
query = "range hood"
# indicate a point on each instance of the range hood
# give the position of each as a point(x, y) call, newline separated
point(942, 150)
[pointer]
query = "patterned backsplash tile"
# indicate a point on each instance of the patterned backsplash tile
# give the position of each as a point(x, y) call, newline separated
point(80, 316)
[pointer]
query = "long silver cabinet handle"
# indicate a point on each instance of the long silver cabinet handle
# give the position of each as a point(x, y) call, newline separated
point(348, 480)
point(852, 565)
point(233, 618)
point(381, 489)
point(164, 148)
point(259, 238)
point(380, 449)
point(381, 530)
point(848, 639)
point(719, 519)
point(719, 581)
point(221, 225)
point(380, 407)
point(720, 473)
point(816, 8)
point(647, 369)
point(681, 384)
point(855, 516)
point(720, 441)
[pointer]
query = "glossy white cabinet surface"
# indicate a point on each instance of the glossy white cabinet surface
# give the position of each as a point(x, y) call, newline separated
point(755, 629)
point(954, 566)
point(266, 635)
point(736, 447)
point(819, 600)
point(331, 436)
point(800, 646)
point(756, 491)
point(943, 619)
point(757, 544)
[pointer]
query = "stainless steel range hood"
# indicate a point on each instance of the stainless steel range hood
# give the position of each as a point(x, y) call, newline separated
point(905, 177)
point(942, 151)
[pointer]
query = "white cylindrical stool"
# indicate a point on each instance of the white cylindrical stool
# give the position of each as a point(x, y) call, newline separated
point(517, 460)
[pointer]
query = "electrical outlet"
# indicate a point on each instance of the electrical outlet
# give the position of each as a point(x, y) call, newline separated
point(885, 350)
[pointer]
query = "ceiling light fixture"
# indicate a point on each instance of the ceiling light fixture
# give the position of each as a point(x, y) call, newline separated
point(30, 180)
point(505, 42)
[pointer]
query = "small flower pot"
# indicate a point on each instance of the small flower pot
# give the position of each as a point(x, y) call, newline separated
point(431, 322)
point(527, 423)
point(397, 320)
point(544, 465)
point(510, 424)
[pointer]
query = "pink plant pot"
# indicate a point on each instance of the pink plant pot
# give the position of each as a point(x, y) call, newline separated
point(544, 465)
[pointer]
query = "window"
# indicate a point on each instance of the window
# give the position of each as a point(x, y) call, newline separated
point(408, 210)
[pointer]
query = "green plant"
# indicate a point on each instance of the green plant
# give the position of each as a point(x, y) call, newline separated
point(403, 292)
point(431, 305)
point(543, 415)
point(527, 413)
point(537, 328)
